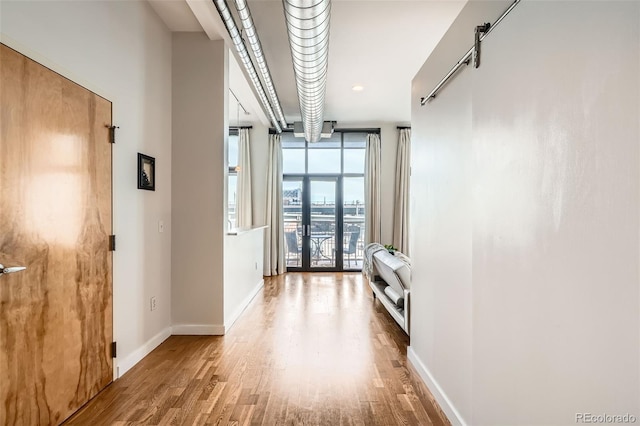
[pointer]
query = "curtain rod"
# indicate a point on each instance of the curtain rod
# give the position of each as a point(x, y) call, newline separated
point(356, 130)
point(403, 127)
point(272, 131)
point(240, 127)
point(467, 57)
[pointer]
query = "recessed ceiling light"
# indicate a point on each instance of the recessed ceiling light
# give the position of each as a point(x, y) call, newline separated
point(357, 88)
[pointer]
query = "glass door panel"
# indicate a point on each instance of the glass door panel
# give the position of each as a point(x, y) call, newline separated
point(353, 223)
point(314, 210)
point(292, 199)
point(323, 220)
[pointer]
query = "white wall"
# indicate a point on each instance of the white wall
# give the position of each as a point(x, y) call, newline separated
point(441, 206)
point(525, 192)
point(200, 139)
point(121, 51)
point(243, 258)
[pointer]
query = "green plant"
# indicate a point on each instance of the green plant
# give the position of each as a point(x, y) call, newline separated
point(390, 248)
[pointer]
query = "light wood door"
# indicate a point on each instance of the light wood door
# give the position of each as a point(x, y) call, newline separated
point(55, 219)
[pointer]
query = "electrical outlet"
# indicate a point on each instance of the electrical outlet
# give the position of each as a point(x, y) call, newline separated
point(153, 303)
point(256, 266)
point(160, 226)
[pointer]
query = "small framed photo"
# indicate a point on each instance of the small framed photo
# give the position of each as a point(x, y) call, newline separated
point(146, 172)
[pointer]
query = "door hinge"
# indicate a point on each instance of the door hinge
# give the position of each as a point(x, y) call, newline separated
point(114, 352)
point(112, 133)
point(112, 243)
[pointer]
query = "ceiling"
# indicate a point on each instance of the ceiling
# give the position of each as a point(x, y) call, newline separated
point(379, 45)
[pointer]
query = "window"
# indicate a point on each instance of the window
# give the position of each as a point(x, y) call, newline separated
point(343, 153)
point(354, 160)
point(323, 194)
point(293, 160)
point(324, 160)
point(232, 182)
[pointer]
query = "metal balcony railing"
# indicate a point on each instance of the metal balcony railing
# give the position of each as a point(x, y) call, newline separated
point(323, 247)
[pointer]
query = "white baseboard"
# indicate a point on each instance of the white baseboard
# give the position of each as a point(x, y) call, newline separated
point(198, 330)
point(447, 406)
point(125, 364)
point(240, 309)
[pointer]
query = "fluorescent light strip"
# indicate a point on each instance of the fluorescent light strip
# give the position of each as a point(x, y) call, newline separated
point(232, 28)
point(256, 47)
point(308, 28)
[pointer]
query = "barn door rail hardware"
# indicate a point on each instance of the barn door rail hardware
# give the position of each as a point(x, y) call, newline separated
point(481, 32)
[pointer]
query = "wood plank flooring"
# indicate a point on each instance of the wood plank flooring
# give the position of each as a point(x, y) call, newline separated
point(311, 349)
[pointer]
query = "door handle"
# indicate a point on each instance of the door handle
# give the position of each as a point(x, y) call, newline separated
point(11, 270)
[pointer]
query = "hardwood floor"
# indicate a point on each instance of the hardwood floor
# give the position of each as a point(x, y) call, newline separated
point(311, 349)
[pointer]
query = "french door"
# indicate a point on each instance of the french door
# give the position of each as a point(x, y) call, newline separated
point(313, 222)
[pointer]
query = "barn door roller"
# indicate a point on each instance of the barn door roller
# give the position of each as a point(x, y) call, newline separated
point(480, 30)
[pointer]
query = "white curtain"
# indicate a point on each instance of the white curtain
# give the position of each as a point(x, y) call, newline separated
point(372, 190)
point(274, 263)
point(401, 205)
point(243, 191)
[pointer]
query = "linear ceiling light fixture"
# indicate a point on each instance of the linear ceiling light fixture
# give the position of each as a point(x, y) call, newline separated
point(308, 28)
point(232, 28)
point(256, 47)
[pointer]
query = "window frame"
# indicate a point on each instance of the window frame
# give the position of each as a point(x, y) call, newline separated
point(305, 177)
point(232, 172)
point(232, 168)
point(309, 146)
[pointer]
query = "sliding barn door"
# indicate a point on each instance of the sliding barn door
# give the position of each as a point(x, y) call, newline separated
point(55, 220)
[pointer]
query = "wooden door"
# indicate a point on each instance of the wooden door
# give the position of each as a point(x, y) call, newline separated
point(55, 219)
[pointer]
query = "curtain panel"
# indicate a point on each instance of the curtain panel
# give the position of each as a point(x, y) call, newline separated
point(274, 260)
point(243, 192)
point(401, 205)
point(372, 189)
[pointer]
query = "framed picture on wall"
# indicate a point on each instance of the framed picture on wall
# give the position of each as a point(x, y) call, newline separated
point(146, 172)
